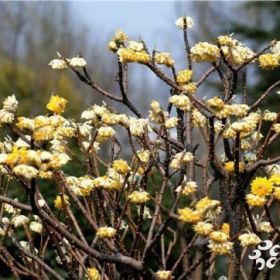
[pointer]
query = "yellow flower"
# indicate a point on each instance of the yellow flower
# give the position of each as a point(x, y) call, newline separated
point(188, 215)
point(139, 197)
point(205, 203)
point(129, 55)
point(93, 273)
point(184, 76)
point(275, 180)
point(121, 166)
point(205, 52)
point(261, 186)
point(248, 239)
point(120, 36)
point(225, 228)
point(203, 228)
point(226, 40)
point(216, 103)
point(165, 59)
point(106, 232)
point(57, 104)
point(255, 200)
point(61, 204)
point(229, 166)
point(163, 275)
point(190, 88)
point(276, 193)
point(218, 236)
point(269, 61)
point(220, 248)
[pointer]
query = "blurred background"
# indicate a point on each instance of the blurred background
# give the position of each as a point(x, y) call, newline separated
point(32, 32)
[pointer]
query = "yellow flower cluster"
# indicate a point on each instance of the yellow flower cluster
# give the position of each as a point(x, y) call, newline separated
point(229, 166)
point(203, 228)
point(139, 197)
point(118, 40)
point(188, 187)
point(57, 104)
point(30, 164)
point(198, 120)
point(181, 101)
point(248, 239)
point(93, 274)
point(106, 232)
point(215, 103)
point(121, 166)
point(129, 55)
point(261, 188)
point(234, 50)
point(61, 202)
point(163, 275)
point(205, 52)
point(269, 61)
point(181, 158)
point(184, 76)
point(222, 248)
point(165, 59)
point(189, 215)
point(190, 88)
point(111, 181)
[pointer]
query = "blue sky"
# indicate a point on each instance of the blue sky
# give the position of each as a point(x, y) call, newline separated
point(147, 19)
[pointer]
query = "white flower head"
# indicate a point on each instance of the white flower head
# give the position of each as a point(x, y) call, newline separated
point(36, 227)
point(10, 104)
point(77, 62)
point(136, 46)
point(6, 116)
point(20, 220)
point(180, 22)
point(58, 64)
point(26, 171)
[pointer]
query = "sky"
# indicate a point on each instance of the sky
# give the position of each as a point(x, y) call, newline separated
point(147, 19)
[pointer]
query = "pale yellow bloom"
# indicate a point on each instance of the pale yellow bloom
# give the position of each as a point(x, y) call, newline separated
point(205, 52)
point(121, 166)
point(188, 215)
point(218, 236)
point(163, 275)
point(203, 228)
point(36, 226)
point(248, 239)
point(220, 248)
point(139, 197)
point(10, 104)
point(184, 76)
point(165, 59)
point(255, 200)
point(181, 101)
point(19, 220)
point(58, 64)
point(106, 232)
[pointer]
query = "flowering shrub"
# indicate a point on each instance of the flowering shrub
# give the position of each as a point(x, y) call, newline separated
point(168, 207)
